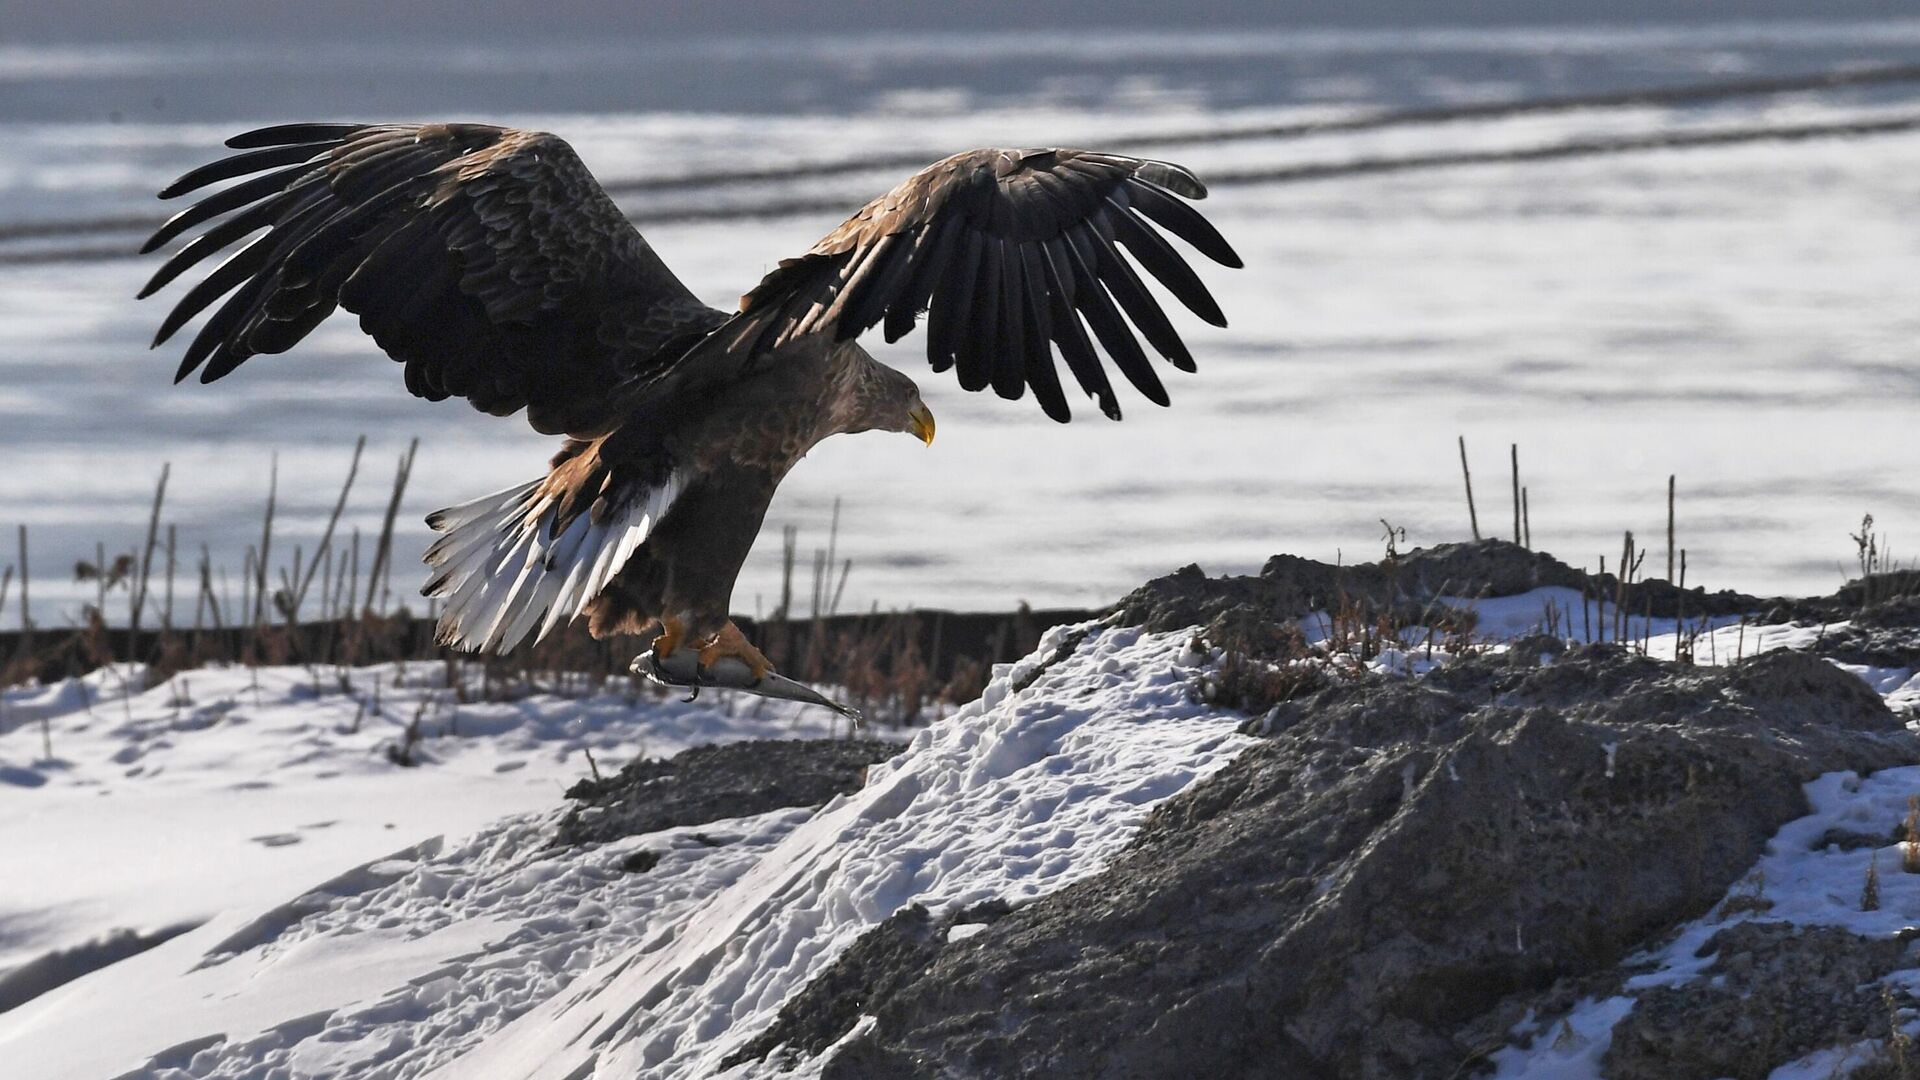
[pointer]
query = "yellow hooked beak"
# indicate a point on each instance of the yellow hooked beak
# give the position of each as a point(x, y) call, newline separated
point(920, 422)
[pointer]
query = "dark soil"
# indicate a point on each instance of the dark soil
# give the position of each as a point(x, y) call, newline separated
point(711, 783)
point(1289, 587)
point(1400, 870)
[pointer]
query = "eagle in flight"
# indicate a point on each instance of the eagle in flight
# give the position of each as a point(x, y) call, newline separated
point(489, 262)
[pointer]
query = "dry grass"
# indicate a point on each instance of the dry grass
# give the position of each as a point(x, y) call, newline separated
point(334, 607)
point(1910, 837)
point(1751, 898)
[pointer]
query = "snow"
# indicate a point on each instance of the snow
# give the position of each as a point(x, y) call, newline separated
point(218, 792)
point(430, 947)
point(1015, 796)
point(414, 965)
point(338, 915)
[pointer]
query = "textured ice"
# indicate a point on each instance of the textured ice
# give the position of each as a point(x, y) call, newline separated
point(1715, 313)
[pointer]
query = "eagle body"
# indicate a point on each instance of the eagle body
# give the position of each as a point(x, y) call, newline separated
point(491, 264)
point(734, 451)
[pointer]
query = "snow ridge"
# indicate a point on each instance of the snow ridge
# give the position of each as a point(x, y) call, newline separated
point(1022, 793)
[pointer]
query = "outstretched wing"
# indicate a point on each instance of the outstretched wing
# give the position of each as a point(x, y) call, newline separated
point(486, 259)
point(1013, 254)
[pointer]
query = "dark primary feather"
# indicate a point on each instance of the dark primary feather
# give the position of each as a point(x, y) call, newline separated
point(485, 259)
point(1012, 255)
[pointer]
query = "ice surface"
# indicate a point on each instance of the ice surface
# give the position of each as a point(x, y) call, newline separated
point(1739, 315)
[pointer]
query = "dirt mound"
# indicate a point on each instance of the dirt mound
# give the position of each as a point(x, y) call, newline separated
point(710, 783)
point(1289, 587)
point(1383, 886)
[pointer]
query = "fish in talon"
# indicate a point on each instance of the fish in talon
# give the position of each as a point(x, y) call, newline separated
point(683, 670)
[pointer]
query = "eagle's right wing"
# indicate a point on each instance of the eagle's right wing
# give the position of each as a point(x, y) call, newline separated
point(486, 259)
point(1013, 255)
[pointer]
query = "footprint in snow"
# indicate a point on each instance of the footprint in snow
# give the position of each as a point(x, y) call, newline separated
point(276, 839)
point(18, 777)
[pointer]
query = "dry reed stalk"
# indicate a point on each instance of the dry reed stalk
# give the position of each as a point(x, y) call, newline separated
point(100, 578)
point(1467, 474)
point(259, 606)
point(247, 566)
point(26, 609)
point(1586, 620)
point(833, 534)
point(353, 587)
point(326, 535)
point(226, 597)
point(789, 547)
point(1623, 624)
point(1514, 453)
point(206, 590)
point(200, 598)
point(283, 597)
point(1669, 526)
point(166, 612)
point(138, 595)
point(326, 561)
point(833, 606)
point(383, 552)
point(1910, 847)
point(1600, 598)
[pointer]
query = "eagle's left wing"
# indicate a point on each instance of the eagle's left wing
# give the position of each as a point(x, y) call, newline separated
point(486, 259)
point(1012, 254)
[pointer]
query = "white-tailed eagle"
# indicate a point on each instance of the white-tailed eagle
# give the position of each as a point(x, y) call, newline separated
point(490, 263)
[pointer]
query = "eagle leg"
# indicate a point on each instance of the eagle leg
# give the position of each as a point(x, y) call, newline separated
point(672, 632)
point(731, 642)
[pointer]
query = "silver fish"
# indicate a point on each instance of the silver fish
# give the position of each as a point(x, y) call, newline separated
point(682, 670)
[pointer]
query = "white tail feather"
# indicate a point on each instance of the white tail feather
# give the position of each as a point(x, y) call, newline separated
point(505, 575)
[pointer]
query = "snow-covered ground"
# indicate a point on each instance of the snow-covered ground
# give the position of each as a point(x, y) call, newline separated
point(338, 915)
point(346, 917)
point(349, 920)
point(219, 794)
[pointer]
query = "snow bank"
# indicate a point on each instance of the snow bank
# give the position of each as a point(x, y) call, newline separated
point(217, 795)
point(1033, 787)
point(495, 956)
point(349, 920)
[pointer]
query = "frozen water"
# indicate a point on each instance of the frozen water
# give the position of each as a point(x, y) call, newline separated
point(1739, 316)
